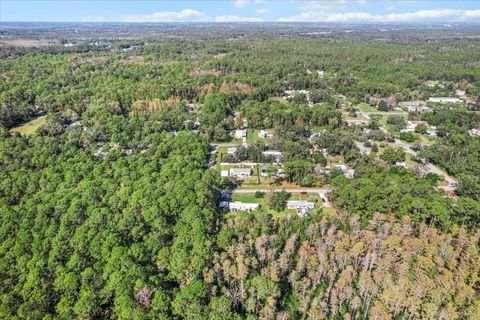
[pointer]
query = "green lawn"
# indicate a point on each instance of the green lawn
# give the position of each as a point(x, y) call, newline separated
point(31, 126)
point(363, 107)
point(264, 208)
point(252, 136)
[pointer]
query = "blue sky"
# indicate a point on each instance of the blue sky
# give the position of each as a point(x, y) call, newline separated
point(334, 11)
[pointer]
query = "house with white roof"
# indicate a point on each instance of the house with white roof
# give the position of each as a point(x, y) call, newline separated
point(348, 173)
point(231, 150)
point(241, 173)
point(474, 133)
point(242, 206)
point(276, 154)
point(444, 100)
point(262, 134)
point(414, 106)
point(224, 173)
point(241, 133)
point(356, 122)
point(301, 206)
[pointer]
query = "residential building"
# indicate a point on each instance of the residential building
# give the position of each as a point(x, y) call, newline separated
point(414, 106)
point(224, 173)
point(460, 93)
point(401, 164)
point(277, 155)
point(240, 134)
point(444, 100)
point(242, 206)
point(262, 134)
point(301, 206)
point(411, 125)
point(356, 122)
point(474, 133)
point(231, 150)
point(348, 173)
point(240, 172)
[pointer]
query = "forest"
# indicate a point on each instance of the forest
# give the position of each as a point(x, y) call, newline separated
point(110, 210)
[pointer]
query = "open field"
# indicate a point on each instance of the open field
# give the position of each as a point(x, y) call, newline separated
point(264, 207)
point(31, 126)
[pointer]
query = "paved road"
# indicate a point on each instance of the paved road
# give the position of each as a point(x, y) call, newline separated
point(452, 183)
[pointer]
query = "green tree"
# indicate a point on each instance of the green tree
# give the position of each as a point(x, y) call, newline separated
point(278, 200)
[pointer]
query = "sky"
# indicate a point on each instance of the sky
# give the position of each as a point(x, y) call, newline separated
point(328, 11)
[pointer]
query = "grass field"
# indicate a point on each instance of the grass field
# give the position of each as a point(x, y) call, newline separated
point(31, 126)
point(263, 202)
point(363, 107)
point(252, 136)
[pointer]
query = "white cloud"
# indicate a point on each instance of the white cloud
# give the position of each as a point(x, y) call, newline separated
point(472, 13)
point(94, 19)
point(168, 16)
point(421, 15)
point(232, 18)
point(315, 5)
point(263, 11)
point(391, 8)
point(240, 3)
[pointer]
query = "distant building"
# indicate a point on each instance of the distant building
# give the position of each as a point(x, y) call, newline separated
point(460, 93)
point(320, 73)
point(224, 173)
point(231, 150)
point(348, 173)
point(262, 134)
point(276, 154)
point(401, 164)
point(240, 172)
point(302, 207)
point(474, 133)
point(411, 125)
point(444, 100)
point(242, 206)
point(356, 122)
point(363, 150)
point(240, 134)
point(415, 106)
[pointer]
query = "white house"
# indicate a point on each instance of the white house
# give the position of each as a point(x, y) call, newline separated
point(301, 206)
point(474, 133)
point(242, 133)
point(415, 106)
point(348, 173)
point(401, 164)
point(460, 93)
point(242, 206)
point(444, 100)
point(262, 134)
point(240, 172)
point(411, 125)
point(320, 73)
point(276, 154)
point(224, 173)
point(231, 150)
point(356, 122)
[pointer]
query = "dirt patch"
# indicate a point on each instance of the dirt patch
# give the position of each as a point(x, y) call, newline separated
point(204, 72)
point(94, 59)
